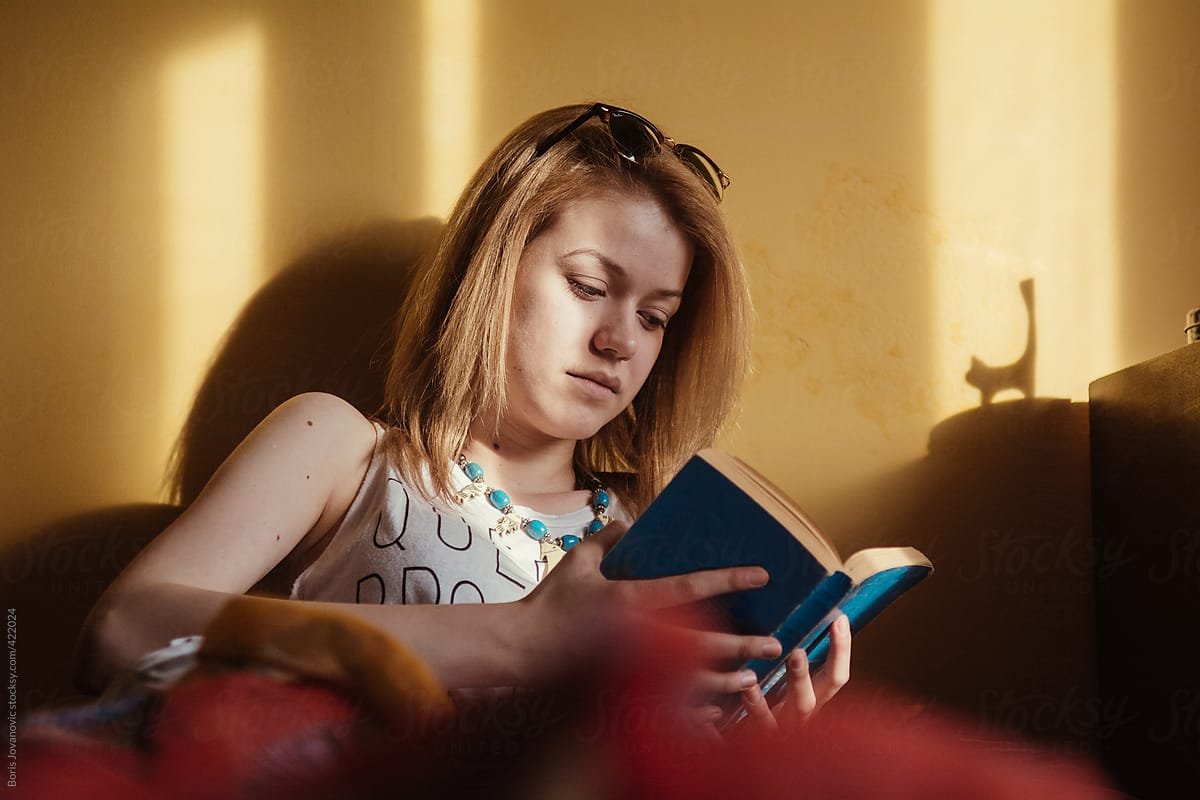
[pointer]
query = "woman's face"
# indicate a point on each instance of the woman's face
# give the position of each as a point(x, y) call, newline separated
point(593, 295)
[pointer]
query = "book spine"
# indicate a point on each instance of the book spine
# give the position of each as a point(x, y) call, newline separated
point(805, 623)
point(860, 604)
point(869, 598)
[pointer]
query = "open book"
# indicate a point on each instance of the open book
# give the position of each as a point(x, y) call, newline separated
point(719, 512)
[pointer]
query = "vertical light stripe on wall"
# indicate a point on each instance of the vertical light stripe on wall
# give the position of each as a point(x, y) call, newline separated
point(450, 100)
point(212, 205)
point(1023, 164)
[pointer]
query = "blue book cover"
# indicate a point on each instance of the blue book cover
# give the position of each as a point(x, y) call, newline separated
point(719, 512)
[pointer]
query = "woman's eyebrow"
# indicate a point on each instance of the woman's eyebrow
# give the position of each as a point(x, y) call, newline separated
point(615, 268)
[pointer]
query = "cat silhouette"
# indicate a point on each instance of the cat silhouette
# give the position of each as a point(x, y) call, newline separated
point(1018, 375)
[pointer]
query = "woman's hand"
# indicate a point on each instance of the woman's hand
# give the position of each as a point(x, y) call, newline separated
point(805, 692)
point(570, 616)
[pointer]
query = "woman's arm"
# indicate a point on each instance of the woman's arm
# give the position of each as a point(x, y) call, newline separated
point(290, 482)
point(292, 477)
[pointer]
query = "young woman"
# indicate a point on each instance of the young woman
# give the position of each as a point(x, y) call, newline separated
point(580, 331)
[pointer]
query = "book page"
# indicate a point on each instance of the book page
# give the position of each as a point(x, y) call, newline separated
point(874, 560)
point(777, 504)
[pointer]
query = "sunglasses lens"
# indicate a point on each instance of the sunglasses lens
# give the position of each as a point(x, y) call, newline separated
point(635, 138)
point(703, 166)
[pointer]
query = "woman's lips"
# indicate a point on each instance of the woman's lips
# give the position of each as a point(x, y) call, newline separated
point(597, 383)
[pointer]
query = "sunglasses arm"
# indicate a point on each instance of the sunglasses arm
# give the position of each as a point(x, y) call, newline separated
point(546, 144)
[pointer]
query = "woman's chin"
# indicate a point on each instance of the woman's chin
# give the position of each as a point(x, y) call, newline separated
point(567, 427)
point(579, 430)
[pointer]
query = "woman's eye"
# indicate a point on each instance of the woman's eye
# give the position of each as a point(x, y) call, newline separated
point(585, 290)
point(653, 321)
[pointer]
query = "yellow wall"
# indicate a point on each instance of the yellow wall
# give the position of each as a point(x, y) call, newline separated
point(898, 167)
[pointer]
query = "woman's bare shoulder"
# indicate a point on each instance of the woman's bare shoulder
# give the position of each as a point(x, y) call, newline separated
point(328, 406)
point(345, 442)
point(296, 472)
point(336, 425)
point(323, 437)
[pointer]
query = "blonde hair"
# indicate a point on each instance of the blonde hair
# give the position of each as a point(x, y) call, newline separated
point(449, 359)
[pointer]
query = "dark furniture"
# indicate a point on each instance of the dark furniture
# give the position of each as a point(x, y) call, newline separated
point(1145, 454)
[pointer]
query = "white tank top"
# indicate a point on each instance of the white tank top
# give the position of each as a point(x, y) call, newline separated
point(394, 547)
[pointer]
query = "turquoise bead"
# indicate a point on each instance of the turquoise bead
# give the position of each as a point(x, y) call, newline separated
point(600, 502)
point(536, 529)
point(474, 471)
point(596, 526)
point(569, 541)
point(499, 500)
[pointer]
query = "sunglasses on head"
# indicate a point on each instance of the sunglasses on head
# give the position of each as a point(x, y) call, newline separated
point(637, 137)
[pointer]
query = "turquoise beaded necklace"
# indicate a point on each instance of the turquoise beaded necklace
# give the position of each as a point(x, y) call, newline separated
point(535, 529)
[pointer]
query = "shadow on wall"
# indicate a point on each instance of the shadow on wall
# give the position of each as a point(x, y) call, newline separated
point(324, 323)
point(1003, 632)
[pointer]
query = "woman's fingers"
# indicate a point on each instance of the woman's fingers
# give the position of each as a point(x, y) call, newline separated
point(673, 590)
point(807, 693)
point(836, 672)
point(758, 713)
point(678, 590)
point(707, 682)
point(705, 718)
point(800, 700)
point(714, 646)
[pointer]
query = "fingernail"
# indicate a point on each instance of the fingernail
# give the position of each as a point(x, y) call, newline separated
point(747, 679)
point(843, 624)
point(759, 577)
point(772, 649)
point(714, 714)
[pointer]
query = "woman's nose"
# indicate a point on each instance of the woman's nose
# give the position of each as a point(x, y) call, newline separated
point(616, 337)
